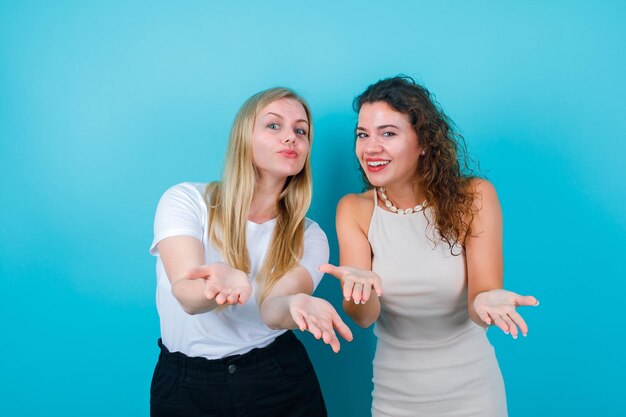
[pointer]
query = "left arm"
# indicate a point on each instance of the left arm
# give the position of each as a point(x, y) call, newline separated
point(275, 310)
point(488, 303)
point(483, 245)
point(289, 305)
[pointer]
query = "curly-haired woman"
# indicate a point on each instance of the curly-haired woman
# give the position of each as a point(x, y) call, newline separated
point(426, 238)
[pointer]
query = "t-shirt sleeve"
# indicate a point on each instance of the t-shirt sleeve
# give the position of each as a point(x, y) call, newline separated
point(316, 252)
point(180, 212)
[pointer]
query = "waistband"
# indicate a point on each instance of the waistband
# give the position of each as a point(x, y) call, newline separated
point(283, 343)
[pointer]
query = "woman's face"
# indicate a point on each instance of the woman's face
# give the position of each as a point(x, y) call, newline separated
point(280, 139)
point(386, 145)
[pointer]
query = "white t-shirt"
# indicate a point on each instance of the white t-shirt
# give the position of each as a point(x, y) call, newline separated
point(237, 329)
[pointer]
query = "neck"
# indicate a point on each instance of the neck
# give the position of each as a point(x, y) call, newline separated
point(265, 199)
point(405, 195)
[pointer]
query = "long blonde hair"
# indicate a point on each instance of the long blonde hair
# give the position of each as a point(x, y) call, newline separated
point(229, 200)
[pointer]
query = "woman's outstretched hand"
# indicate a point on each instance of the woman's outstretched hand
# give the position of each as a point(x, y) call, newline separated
point(497, 307)
point(356, 284)
point(221, 282)
point(320, 318)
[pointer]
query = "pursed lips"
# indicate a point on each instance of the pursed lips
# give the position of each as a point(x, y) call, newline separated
point(289, 154)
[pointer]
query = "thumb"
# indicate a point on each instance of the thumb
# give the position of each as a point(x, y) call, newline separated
point(198, 272)
point(527, 300)
point(331, 269)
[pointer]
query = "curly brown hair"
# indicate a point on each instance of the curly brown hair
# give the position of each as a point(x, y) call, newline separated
point(444, 172)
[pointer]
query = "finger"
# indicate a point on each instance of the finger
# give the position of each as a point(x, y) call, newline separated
point(232, 297)
point(245, 295)
point(498, 321)
point(367, 291)
point(341, 327)
point(512, 326)
point(210, 291)
point(357, 293)
point(347, 289)
point(519, 321)
point(312, 327)
point(335, 345)
point(378, 288)
point(333, 341)
point(220, 298)
point(527, 300)
point(227, 293)
point(327, 335)
point(484, 316)
point(198, 272)
point(333, 270)
point(299, 320)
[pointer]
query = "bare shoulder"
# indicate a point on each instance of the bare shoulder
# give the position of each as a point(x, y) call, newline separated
point(358, 208)
point(362, 201)
point(484, 192)
point(482, 186)
point(485, 220)
point(486, 209)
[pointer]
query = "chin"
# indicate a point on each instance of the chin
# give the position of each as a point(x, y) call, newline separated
point(291, 173)
point(376, 183)
point(376, 180)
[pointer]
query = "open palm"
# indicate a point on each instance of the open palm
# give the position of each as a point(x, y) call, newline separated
point(223, 283)
point(498, 307)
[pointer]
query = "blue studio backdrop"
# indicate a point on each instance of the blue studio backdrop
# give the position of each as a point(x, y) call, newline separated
point(104, 105)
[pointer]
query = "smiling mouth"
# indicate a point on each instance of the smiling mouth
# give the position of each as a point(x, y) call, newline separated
point(375, 166)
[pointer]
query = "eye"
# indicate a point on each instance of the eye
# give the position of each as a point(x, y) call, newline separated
point(300, 132)
point(361, 135)
point(388, 134)
point(273, 126)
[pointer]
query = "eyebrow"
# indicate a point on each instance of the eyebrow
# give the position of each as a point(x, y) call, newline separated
point(378, 127)
point(281, 117)
point(387, 126)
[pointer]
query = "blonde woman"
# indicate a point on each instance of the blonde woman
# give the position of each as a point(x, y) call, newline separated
point(421, 255)
point(236, 265)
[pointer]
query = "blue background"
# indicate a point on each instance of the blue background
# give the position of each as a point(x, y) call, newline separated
point(105, 105)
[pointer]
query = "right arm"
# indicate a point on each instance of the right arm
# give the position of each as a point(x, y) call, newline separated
point(181, 254)
point(197, 287)
point(178, 228)
point(355, 272)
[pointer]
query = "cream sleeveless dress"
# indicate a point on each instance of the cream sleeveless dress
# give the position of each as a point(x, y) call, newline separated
point(431, 358)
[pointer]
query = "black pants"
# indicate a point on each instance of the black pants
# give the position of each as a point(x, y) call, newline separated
point(274, 381)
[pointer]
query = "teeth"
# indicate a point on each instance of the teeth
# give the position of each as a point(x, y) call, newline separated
point(377, 163)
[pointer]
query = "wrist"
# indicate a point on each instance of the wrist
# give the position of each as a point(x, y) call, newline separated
point(297, 299)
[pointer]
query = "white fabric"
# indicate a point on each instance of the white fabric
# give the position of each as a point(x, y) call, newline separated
point(238, 328)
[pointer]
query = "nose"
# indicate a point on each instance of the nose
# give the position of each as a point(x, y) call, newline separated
point(289, 138)
point(372, 146)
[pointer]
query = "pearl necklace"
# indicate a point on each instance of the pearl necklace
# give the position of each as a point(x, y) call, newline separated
point(395, 209)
